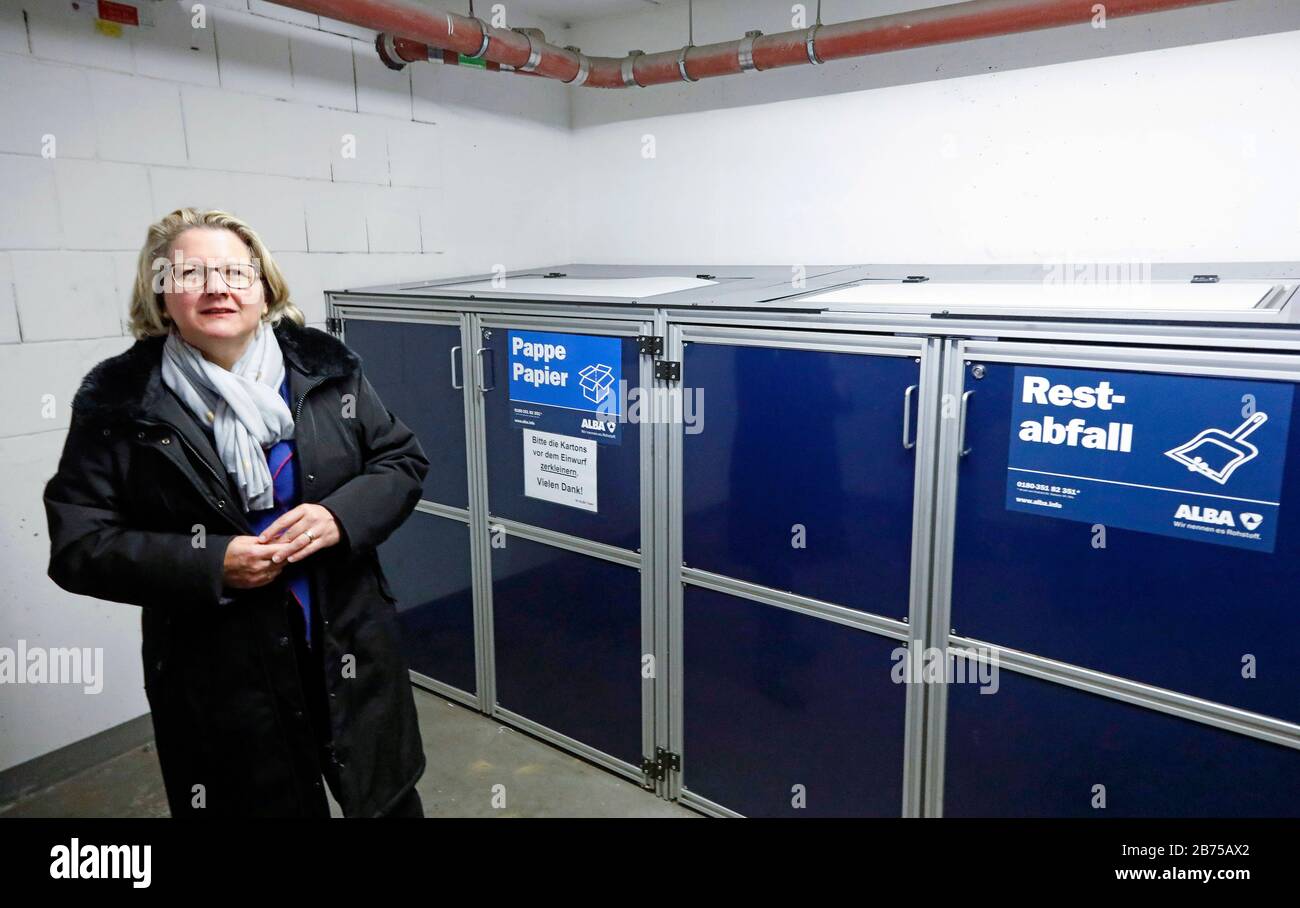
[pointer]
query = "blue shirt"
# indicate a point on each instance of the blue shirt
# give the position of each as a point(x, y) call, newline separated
point(282, 461)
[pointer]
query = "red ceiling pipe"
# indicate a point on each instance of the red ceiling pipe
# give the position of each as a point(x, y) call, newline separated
point(525, 52)
point(416, 22)
point(957, 22)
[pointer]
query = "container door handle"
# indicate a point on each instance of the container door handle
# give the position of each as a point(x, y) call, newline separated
point(908, 442)
point(961, 434)
point(455, 358)
point(482, 373)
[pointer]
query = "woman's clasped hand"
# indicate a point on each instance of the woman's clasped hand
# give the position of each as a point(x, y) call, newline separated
point(253, 561)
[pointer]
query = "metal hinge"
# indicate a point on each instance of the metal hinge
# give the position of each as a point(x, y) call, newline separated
point(334, 325)
point(668, 370)
point(656, 770)
point(650, 344)
point(1205, 279)
point(555, 274)
point(915, 279)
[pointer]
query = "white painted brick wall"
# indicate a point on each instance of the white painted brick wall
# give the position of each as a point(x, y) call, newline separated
point(176, 51)
point(103, 205)
point(31, 204)
point(55, 33)
point(65, 294)
point(273, 205)
point(8, 309)
point(13, 32)
point(322, 69)
point(357, 147)
point(42, 99)
point(336, 218)
point(381, 90)
point(35, 369)
point(138, 119)
point(392, 220)
point(253, 54)
point(40, 718)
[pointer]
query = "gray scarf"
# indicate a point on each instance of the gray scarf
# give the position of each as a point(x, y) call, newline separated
point(243, 406)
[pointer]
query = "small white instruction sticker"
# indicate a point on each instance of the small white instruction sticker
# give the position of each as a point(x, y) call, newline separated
point(560, 468)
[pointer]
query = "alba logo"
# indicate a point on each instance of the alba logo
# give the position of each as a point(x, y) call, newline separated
point(599, 425)
point(1251, 521)
point(1198, 514)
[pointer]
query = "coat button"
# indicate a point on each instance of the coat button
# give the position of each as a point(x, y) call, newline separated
point(166, 441)
point(297, 714)
point(221, 502)
point(311, 477)
point(106, 433)
point(139, 435)
point(284, 641)
point(158, 665)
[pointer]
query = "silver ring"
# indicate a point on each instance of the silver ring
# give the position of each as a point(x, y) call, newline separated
point(487, 39)
point(629, 79)
point(534, 56)
point(681, 66)
point(310, 535)
point(584, 70)
point(745, 53)
point(810, 45)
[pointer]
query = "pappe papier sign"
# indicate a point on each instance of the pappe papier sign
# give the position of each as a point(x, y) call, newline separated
point(567, 383)
point(1200, 459)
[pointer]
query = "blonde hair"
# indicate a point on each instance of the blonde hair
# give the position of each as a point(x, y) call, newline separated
point(149, 316)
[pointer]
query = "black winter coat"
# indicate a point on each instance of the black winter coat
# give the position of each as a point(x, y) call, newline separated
point(137, 489)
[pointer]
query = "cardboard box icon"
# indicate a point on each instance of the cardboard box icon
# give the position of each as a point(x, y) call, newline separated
point(596, 381)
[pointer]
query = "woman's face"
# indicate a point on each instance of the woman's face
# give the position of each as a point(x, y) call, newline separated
point(204, 305)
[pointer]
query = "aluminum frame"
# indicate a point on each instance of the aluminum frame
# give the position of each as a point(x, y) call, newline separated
point(574, 324)
point(925, 352)
point(1190, 362)
point(347, 312)
point(1277, 338)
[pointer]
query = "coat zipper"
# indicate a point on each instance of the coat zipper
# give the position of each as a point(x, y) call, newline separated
point(298, 410)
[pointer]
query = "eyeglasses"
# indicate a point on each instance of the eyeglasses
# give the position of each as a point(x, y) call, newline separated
point(194, 275)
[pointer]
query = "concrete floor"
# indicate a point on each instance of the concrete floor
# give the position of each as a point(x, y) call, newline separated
point(468, 753)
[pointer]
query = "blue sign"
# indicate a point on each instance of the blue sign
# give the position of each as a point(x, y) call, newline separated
point(1200, 459)
point(570, 384)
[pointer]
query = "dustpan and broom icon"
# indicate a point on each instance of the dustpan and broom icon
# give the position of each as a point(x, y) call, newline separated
point(1217, 454)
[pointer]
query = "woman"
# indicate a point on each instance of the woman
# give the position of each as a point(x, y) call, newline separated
point(232, 473)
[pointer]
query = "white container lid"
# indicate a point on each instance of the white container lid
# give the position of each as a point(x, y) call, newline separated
point(620, 287)
point(1153, 296)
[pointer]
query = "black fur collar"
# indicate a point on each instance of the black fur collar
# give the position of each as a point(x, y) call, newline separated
point(128, 386)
